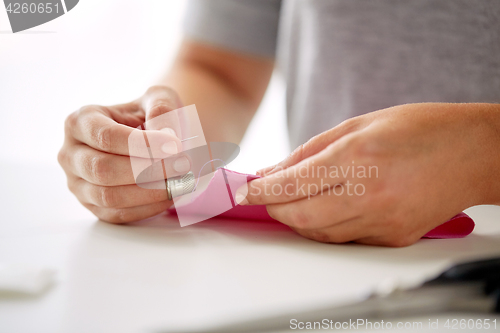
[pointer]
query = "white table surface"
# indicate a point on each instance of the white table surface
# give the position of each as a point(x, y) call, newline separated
point(154, 273)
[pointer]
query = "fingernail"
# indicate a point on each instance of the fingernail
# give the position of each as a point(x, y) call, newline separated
point(168, 130)
point(182, 164)
point(169, 148)
point(240, 199)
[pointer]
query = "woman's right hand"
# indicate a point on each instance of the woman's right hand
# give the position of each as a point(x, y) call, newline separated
point(100, 145)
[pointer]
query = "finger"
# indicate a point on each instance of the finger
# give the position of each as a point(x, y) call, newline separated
point(392, 237)
point(307, 178)
point(93, 126)
point(159, 104)
point(130, 114)
point(105, 169)
point(313, 146)
point(344, 232)
point(124, 196)
point(322, 211)
point(125, 215)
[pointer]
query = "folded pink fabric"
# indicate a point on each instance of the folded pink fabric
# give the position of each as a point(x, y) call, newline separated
point(220, 192)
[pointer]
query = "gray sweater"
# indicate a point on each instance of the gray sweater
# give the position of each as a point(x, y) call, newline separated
point(343, 58)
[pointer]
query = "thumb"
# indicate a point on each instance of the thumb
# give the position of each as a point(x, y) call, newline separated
point(158, 103)
point(313, 146)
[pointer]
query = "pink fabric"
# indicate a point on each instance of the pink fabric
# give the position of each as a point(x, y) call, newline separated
point(216, 197)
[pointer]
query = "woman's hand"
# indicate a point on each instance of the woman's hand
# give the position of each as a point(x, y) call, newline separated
point(100, 144)
point(387, 177)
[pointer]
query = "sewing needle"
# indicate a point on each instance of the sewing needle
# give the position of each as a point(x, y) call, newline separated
point(189, 138)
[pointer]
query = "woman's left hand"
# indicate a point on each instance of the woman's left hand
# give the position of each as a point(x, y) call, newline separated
point(387, 177)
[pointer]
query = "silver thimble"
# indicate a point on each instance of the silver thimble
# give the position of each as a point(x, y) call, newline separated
point(181, 185)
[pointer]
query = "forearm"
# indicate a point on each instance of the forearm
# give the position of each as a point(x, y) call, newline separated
point(226, 88)
point(223, 114)
point(489, 151)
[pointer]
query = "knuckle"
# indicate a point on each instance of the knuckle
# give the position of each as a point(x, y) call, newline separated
point(155, 89)
point(72, 186)
point(94, 210)
point(298, 153)
point(399, 234)
point(162, 89)
point(319, 236)
point(272, 213)
point(70, 121)
point(84, 110)
point(103, 138)
point(280, 212)
point(119, 216)
point(400, 241)
point(315, 235)
point(61, 157)
point(99, 170)
point(356, 146)
point(337, 238)
point(112, 215)
point(368, 149)
point(108, 197)
point(349, 123)
point(160, 108)
point(168, 100)
point(172, 92)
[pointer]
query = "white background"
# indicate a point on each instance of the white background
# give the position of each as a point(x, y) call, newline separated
point(103, 52)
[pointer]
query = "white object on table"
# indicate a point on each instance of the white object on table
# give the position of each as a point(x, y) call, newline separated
point(25, 279)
